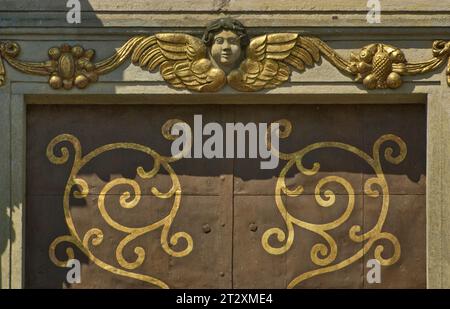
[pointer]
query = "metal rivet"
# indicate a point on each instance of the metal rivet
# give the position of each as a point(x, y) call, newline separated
point(253, 227)
point(206, 228)
point(222, 224)
point(222, 177)
point(222, 274)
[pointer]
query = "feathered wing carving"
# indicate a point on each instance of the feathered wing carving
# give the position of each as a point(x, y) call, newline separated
point(268, 60)
point(182, 60)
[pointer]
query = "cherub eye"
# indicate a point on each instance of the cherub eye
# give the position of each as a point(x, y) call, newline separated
point(219, 40)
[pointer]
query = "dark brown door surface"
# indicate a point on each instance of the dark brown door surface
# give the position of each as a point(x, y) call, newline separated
point(103, 188)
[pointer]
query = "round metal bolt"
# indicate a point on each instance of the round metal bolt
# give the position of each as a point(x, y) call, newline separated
point(222, 274)
point(253, 227)
point(206, 228)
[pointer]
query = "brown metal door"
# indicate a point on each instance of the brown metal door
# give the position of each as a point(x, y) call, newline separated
point(123, 201)
point(359, 173)
point(100, 182)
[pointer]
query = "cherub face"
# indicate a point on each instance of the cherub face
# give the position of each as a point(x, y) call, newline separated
point(226, 49)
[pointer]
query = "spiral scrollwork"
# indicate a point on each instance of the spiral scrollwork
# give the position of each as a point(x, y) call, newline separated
point(388, 148)
point(128, 199)
point(323, 254)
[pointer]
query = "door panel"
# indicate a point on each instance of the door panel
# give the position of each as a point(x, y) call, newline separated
point(407, 220)
point(351, 182)
point(154, 233)
point(253, 267)
point(372, 161)
point(310, 124)
point(409, 123)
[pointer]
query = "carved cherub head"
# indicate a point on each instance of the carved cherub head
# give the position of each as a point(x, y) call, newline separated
point(226, 38)
point(225, 56)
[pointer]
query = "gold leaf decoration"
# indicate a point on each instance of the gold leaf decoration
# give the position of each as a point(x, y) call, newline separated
point(128, 200)
point(324, 254)
point(184, 62)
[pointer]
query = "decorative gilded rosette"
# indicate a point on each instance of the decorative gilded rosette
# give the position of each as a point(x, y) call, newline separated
point(71, 66)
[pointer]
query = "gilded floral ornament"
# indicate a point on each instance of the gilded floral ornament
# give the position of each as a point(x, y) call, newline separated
point(381, 66)
point(374, 65)
point(226, 56)
point(71, 66)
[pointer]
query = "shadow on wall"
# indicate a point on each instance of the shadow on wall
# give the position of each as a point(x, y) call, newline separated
point(6, 234)
point(48, 12)
point(40, 10)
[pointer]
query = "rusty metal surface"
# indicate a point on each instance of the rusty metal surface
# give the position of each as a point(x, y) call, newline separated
point(97, 125)
point(206, 199)
point(409, 122)
point(253, 267)
point(407, 220)
point(310, 124)
point(228, 205)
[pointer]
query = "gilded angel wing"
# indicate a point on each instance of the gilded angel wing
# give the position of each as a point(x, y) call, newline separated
point(181, 59)
point(268, 57)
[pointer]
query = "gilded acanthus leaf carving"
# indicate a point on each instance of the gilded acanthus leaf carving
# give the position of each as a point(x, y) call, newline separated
point(226, 56)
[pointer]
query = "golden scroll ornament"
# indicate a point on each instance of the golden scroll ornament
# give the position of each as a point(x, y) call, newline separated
point(79, 189)
point(324, 254)
point(226, 56)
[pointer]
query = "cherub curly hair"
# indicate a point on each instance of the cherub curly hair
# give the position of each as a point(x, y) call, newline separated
point(229, 24)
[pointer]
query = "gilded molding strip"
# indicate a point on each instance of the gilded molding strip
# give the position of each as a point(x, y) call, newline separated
point(226, 56)
point(324, 254)
point(79, 189)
